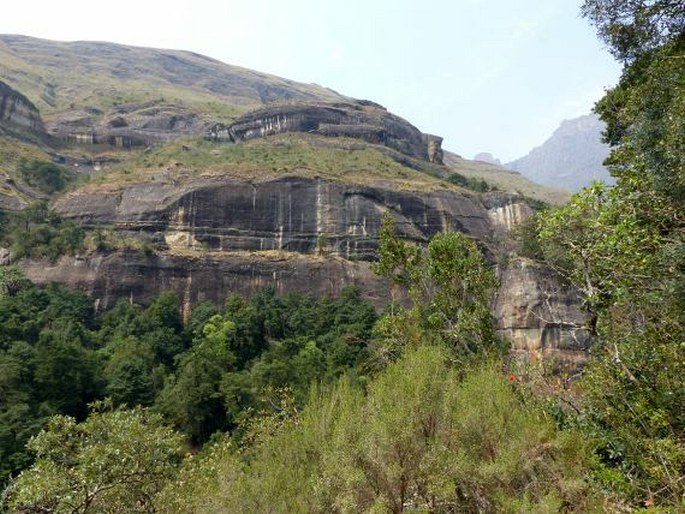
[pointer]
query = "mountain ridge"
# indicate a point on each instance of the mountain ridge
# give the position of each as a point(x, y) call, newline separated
point(571, 157)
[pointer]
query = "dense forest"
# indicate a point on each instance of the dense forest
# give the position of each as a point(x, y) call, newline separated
point(300, 404)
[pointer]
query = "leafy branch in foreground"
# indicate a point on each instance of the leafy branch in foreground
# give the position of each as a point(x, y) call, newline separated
point(115, 461)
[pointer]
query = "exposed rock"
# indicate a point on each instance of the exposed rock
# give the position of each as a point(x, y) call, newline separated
point(17, 111)
point(287, 213)
point(209, 276)
point(132, 125)
point(506, 211)
point(434, 146)
point(487, 157)
point(222, 235)
point(361, 120)
point(537, 313)
point(5, 256)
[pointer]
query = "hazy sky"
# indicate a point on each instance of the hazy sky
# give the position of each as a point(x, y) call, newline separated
point(487, 75)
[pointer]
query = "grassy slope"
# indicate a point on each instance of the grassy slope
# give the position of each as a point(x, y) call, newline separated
point(304, 155)
point(60, 76)
point(69, 79)
point(12, 152)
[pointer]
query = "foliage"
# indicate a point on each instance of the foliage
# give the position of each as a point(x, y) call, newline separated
point(623, 248)
point(44, 175)
point(474, 184)
point(39, 232)
point(47, 365)
point(601, 244)
point(252, 348)
point(633, 27)
point(12, 280)
point(422, 440)
point(449, 286)
point(114, 461)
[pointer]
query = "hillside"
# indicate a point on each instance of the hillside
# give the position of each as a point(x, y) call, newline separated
point(571, 158)
point(172, 171)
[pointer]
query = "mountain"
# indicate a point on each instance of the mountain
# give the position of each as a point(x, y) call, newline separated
point(190, 175)
point(487, 157)
point(571, 158)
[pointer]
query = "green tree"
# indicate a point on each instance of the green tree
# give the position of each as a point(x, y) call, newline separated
point(67, 373)
point(131, 372)
point(421, 441)
point(45, 175)
point(450, 289)
point(191, 397)
point(115, 461)
point(631, 28)
point(12, 279)
point(625, 249)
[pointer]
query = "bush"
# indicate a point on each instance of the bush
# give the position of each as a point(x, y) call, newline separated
point(44, 175)
point(421, 440)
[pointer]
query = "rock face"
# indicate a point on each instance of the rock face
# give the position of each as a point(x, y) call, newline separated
point(17, 111)
point(538, 314)
point(222, 235)
point(205, 277)
point(294, 214)
point(361, 120)
point(128, 125)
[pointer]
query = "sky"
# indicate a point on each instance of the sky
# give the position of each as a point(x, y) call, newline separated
point(487, 75)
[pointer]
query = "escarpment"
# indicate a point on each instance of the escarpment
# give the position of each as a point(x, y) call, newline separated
point(17, 112)
point(217, 235)
point(294, 214)
point(206, 179)
point(363, 120)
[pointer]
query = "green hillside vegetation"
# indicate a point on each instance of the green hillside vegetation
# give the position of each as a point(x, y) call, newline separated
point(412, 410)
point(304, 155)
point(299, 404)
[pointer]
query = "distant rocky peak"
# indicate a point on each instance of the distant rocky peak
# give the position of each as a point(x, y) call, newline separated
point(487, 157)
point(572, 157)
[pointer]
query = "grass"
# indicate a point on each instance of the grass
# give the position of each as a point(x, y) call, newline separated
point(13, 152)
point(307, 155)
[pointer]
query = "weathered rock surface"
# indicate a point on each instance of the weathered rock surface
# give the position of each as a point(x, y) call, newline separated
point(288, 213)
point(537, 313)
point(361, 120)
point(205, 276)
point(222, 235)
point(18, 112)
point(129, 125)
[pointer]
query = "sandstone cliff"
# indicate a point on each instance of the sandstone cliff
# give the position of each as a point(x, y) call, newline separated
point(17, 112)
point(363, 120)
point(288, 191)
point(212, 236)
